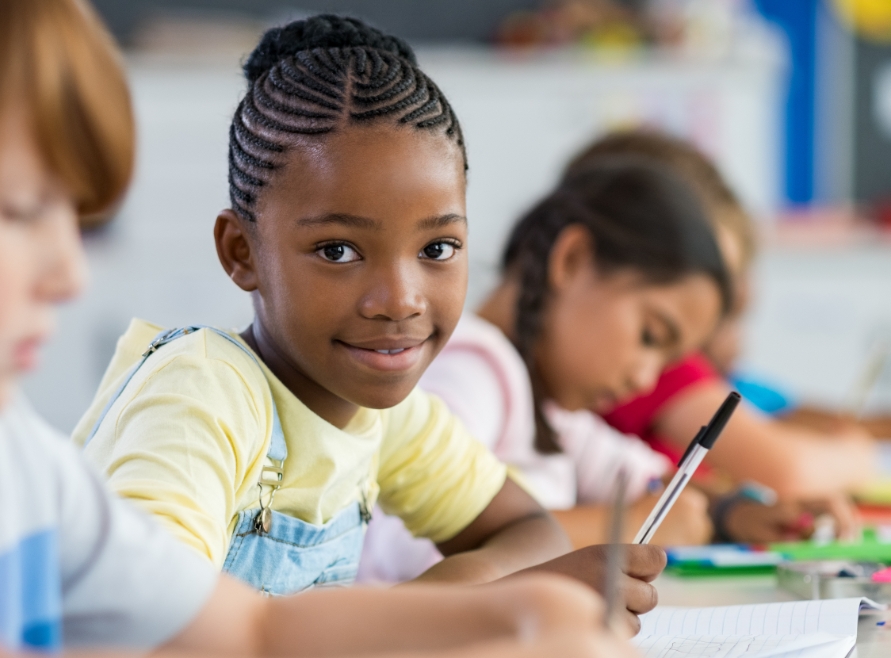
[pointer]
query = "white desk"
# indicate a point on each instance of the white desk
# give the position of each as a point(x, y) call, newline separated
point(872, 641)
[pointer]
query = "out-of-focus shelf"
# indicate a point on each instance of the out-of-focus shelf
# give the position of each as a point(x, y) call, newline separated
point(824, 229)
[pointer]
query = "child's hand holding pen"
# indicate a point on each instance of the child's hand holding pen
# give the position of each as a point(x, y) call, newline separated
point(687, 524)
point(642, 564)
point(751, 522)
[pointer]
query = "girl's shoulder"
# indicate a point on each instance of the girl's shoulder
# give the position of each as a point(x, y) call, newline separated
point(203, 347)
point(214, 369)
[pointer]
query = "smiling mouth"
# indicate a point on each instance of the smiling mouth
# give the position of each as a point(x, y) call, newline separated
point(387, 355)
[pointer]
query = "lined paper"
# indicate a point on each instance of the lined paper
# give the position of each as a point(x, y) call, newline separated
point(798, 629)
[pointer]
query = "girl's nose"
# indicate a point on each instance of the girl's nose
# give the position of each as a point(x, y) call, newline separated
point(644, 377)
point(395, 294)
point(63, 269)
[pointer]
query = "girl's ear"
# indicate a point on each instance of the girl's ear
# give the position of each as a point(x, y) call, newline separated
point(571, 255)
point(235, 250)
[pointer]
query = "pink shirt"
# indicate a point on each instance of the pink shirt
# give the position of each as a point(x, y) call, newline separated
point(482, 378)
point(639, 414)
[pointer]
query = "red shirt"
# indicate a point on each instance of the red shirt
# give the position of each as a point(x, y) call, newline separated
point(638, 414)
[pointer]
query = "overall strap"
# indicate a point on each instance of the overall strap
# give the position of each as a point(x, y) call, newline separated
point(278, 449)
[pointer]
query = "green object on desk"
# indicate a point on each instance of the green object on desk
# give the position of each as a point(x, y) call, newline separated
point(868, 549)
point(706, 571)
point(741, 560)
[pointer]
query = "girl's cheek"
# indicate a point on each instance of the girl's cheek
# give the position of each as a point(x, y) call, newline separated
point(13, 306)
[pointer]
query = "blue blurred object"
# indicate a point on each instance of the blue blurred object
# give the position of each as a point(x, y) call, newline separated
point(798, 19)
point(761, 395)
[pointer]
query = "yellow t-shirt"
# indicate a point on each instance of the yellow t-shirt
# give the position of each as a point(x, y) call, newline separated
point(189, 435)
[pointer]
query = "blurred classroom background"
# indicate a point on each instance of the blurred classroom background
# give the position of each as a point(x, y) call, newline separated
point(792, 98)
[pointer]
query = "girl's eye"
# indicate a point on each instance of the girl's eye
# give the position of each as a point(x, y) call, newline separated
point(338, 253)
point(438, 251)
point(23, 214)
point(648, 338)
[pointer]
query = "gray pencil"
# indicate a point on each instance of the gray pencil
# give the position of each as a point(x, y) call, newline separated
point(615, 557)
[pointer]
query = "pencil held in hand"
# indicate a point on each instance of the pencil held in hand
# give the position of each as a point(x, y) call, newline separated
point(615, 560)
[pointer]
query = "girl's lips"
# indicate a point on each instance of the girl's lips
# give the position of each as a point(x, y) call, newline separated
point(605, 403)
point(394, 359)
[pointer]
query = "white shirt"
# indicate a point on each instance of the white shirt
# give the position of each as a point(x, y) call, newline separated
point(78, 567)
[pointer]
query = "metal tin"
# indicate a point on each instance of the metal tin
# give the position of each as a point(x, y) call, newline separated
point(833, 579)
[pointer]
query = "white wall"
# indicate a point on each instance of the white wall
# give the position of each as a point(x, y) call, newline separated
point(525, 117)
point(821, 313)
point(522, 120)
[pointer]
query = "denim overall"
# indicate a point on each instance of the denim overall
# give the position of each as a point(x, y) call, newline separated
point(276, 553)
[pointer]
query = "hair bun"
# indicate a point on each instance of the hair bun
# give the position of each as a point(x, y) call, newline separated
point(322, 31)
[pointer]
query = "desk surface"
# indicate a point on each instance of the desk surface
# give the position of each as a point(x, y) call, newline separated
point(872, 641)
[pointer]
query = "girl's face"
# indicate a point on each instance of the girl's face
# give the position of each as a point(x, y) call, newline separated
point(608, 337)
point(41, 260)
point(357, 262)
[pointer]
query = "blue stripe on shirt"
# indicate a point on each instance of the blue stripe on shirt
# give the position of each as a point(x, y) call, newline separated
point(31, 594)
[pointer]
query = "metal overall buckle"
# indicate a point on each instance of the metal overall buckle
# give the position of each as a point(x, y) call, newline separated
point(270, 476)
point(163, 340)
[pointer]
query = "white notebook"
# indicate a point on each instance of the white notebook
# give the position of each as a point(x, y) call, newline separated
point(799, 629)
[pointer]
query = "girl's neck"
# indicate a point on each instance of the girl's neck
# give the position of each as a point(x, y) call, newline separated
point(320, 401)
point(500, 307)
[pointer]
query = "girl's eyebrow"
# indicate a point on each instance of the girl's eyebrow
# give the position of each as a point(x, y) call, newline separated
point(441, 222)
point(341, 219)
point(355, 221)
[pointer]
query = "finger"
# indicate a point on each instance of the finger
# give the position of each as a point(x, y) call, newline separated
point(845, 516)
point(644, 562)
point(801, 525)
point(639, 597)
point(788, 514)
point(632, 622)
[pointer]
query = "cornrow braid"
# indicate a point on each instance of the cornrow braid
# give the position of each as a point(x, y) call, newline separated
point(313, 77)
point(640, 216)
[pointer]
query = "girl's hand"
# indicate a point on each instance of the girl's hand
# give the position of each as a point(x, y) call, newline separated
point(789, 520)
point(643, 563)
point(687, 524)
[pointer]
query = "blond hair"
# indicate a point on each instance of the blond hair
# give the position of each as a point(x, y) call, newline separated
point(61, 66)
point(722, 206)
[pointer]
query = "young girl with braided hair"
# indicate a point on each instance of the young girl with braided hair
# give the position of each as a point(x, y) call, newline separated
point(808, 468)
point(81, 570)
point(265, 450)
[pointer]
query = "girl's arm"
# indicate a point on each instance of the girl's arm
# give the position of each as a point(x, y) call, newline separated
point(513, 532)
point(514, 535)
point(687, 523)
point(237, 621)
point(578, 644)
point(599, 453)
point(796, 462)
